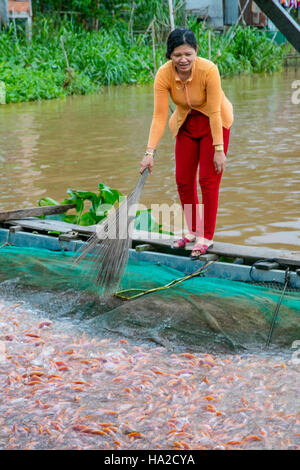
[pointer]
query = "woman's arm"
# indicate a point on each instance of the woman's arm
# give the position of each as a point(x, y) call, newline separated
point(214, 96)
point(159, 120)
point(161, 109)
point(214, 99)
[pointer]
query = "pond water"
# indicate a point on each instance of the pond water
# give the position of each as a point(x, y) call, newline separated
point(61, 389)
point(78, 142)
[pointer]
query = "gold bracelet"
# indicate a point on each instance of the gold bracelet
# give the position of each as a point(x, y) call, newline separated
point(149, 153)
point(219, 147)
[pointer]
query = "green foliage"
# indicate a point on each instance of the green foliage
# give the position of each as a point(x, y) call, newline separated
point(47, 201)
point(113, 56)
point(255, 50)
point(37, 70)
point(100, 205)
point(28, 84)
point(92, 14)
point(240, 50)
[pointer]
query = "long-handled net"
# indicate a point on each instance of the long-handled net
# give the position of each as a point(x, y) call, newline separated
point(107, 250)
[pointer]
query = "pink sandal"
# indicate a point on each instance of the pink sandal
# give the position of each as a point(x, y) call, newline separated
point(181, 243)
point(199, 247)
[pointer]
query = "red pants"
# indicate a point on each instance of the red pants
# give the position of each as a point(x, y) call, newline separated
point(194, 148)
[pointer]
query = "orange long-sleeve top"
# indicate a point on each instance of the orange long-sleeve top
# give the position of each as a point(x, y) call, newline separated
point(201, 91)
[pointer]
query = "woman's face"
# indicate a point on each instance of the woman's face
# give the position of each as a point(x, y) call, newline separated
point(183, 58)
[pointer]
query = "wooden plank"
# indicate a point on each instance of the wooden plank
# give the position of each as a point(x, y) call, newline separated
point(52, 225)
point(228, 249)
point(256, 252)
point(35, 211)
point(164, 242)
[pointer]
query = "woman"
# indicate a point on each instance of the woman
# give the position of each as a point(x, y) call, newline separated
point(201, 124)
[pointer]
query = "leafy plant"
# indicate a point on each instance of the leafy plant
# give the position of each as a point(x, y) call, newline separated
point(100, 205)
point(112, 55)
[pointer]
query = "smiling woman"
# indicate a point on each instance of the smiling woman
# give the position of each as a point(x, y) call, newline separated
point(183, 58)
point(201, 124)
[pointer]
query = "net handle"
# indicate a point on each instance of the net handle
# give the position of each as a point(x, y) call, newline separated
point(143, 178)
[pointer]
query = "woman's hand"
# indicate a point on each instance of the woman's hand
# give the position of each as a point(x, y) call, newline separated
point(147, 162)
point(220, 161)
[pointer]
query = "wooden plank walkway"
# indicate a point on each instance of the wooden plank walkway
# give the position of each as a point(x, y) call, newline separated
point(163, 242)
point(35, 211)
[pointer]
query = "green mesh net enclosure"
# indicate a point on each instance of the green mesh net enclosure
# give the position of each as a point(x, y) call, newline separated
point(201, 311)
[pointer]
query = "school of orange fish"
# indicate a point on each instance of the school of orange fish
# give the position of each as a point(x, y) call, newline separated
point(63, 390)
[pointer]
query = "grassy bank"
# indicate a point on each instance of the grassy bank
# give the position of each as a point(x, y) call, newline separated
point(113, 56)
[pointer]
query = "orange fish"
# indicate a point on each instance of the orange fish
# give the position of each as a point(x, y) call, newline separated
point(209, 397)
point(36, 373)
point(188, 355)
point(251, 437)
point(44, 323)
point(32, 335)
point(135, 434)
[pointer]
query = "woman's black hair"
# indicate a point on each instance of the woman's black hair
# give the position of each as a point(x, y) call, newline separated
point(178, 37)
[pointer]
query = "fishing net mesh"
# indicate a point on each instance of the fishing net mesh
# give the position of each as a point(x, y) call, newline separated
point(199, 311)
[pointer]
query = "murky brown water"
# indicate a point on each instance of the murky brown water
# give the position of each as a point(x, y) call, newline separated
point(48, 147)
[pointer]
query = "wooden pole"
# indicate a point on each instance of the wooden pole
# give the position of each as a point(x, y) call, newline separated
point(4, 13)
point(70, 71)
point(153, 46)
point(146, 66)
point(146, 32)
point(64, 51)
point(238, 20)
point(171, 15)
point(97, 19)
point(185, 14)
point(2, 93)
point(35, 211)
point(130, 26)
point(242, 11)
point(14, 22)
point(29, 29)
